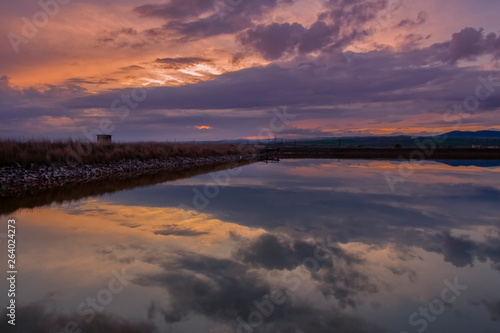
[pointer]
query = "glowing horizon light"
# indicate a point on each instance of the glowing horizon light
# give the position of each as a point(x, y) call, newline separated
point(204, 127)
point(200, 70)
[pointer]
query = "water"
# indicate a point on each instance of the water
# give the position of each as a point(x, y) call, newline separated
point(298, 246)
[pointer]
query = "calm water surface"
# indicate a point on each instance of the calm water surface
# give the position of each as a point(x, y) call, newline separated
point(298, 246)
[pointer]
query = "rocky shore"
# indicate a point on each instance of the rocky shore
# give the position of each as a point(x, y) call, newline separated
point(18, 180)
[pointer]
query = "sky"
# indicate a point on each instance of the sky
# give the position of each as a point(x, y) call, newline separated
point(165, 70)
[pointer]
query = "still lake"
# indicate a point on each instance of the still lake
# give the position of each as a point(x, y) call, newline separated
point(296, 246)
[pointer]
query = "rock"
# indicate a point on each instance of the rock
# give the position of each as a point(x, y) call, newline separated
point(18, 180)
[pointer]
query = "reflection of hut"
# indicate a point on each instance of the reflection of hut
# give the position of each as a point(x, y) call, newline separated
point(103, 138)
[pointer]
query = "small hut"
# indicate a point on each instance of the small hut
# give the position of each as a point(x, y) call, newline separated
point(103, 138)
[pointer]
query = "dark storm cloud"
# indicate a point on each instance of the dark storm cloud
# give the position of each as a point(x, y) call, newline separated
point(353, 11)
point(5, 87)
point(389, 220)
point(340, 23)
point(494, 310)
point(39, 317)
point(206, 285)
point(9, 97)
point(462, 251)
point(467, 44)
point(207, 27)
point(300, 318)
point(316, 37)
point(376, 76)
point(459, 251)
point(220, 17)
point(339, 275)
point(409, 23)
point(124, 37)
point(402, 270)
point(325, 81)
point(177, 63)
point(271, 252)
point(412, 40)
point(224, 289)
point(272, 41)
point(88, 80)
point(131, 67)
point(115, 255)
point(128, 31)
point(176, 9)
point(176, 230)
point(24, 104)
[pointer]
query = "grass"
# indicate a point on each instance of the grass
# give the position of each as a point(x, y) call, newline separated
point(69, 152)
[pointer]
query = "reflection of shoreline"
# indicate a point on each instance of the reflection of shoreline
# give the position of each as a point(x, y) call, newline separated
point(79, 190)
point(380, 153)
point(476, 163)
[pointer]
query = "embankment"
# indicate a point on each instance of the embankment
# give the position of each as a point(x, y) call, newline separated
point(17, 181)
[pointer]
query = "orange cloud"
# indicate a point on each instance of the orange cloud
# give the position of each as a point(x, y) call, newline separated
point(204, 127)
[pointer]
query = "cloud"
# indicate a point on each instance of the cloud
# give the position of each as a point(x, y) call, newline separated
point(412, 40)
point(225, 289)
point(302, 132)
point(494, 310)
point(121, 37)
point(377, 87)
point(89, 80)
point(338, 276)
point(468, 44)
point(402, 270)
point(272, 41)
point(207, 27)
point(176, 9)
point(462, 251)
point(197, 19)
point(459, 251)
point(204, 285)
point(39, 317)
point(178, 63)
point(271, 252)
point(176, 230)
point(338, 25)
point(408, 23)
point(378, 76)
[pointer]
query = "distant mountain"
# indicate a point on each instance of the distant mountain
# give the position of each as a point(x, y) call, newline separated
point(476, 163)
point(474, 135)
point(487, 138)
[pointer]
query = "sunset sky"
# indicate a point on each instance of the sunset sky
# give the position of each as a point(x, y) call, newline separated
point(223, 69)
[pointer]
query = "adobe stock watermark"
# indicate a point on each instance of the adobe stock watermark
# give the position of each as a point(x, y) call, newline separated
point(456, 113)
point(31, 26)
point(201, 199)
point(266, 307)
point(87, 310)
point(428, 314)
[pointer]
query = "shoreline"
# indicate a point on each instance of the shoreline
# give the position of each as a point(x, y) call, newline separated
point(18, 181)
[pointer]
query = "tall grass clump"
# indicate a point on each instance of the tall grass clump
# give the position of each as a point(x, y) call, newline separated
point(70, 152)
